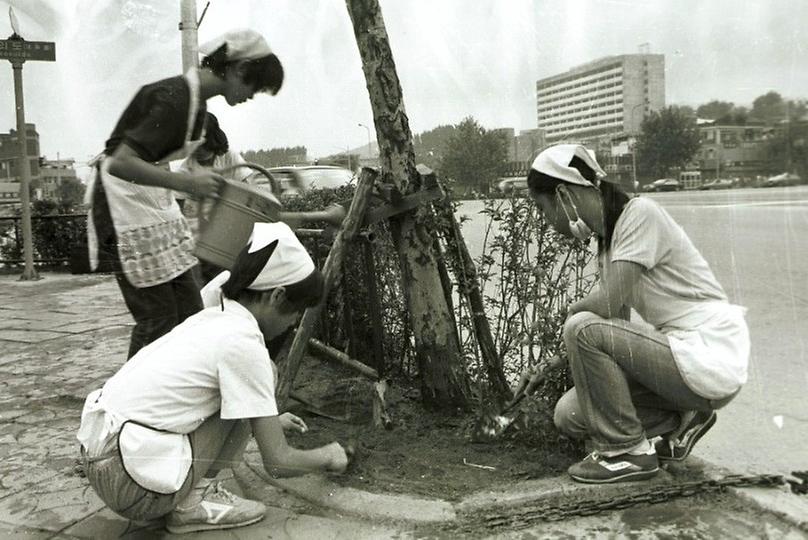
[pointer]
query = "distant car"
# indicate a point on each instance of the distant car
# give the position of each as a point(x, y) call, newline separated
point(663, 184)
point(719, 183)
point(785, 179)
point(294, 181)
point(512, 185)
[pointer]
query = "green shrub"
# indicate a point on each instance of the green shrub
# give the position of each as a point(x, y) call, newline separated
point(55, 230)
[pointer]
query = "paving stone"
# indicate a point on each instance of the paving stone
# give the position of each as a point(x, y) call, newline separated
point(15, 532)
point(15, 478)
point(28, 336)
point(81, 327)
point(48, 323)
point(107, 524)
point(13, 410)
point(54, 504)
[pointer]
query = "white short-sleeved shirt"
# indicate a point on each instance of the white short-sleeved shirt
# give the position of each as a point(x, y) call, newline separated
point(679, 295)
point(214, 361)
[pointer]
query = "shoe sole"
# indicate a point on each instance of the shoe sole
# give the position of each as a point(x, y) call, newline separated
point(628, 477)
point(199, 527)
point(693, 440)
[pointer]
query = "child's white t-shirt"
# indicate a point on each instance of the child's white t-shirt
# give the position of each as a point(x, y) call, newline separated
point(679, 295)
point(215, 361)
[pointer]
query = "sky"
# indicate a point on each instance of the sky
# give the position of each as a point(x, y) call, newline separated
point(455, 58)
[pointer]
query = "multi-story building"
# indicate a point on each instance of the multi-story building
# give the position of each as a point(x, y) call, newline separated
point(51, 175)
point(9, 153)
point(522, 149)
point(729, 151)
point(603, 98)
point(9, 162)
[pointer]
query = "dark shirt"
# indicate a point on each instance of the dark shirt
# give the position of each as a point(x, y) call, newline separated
point(155, 121)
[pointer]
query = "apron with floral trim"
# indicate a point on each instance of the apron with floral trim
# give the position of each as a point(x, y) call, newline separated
point(155, 243)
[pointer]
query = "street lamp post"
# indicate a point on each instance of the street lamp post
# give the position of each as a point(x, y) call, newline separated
point(368, 130)
point(634, 149)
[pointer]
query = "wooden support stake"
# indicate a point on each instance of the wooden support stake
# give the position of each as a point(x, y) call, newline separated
point(338, 356)
point(331, 269)
point(380, 416)
point(470, 287)
point(377, 326)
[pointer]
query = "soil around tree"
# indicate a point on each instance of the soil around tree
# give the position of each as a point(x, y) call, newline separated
point(427, 453)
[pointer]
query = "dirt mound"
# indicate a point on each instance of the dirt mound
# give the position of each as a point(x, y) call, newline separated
point(426, 452)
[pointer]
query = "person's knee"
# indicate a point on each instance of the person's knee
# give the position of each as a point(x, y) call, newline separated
point(568, 417)
point(574, 324)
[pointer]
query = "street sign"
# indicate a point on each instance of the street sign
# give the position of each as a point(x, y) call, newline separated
point(18, 50)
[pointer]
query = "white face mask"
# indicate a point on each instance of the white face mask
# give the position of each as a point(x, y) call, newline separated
point(578, 227)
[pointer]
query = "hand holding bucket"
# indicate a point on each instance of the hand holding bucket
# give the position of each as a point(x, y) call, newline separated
point(224, 230)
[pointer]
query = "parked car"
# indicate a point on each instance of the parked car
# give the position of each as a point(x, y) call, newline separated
point(719, 183)
point(785, 179)
point(663, 184)
point(293, 181)
point(512, 185)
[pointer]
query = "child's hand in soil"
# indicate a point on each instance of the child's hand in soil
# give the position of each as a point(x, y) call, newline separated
point(339, 458)
point(290, 422)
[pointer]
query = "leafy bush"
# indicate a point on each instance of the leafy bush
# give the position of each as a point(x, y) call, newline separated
point(55, 230)
point(529, 275)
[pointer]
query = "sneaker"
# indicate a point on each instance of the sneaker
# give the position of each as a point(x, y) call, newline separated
point(597, 469)
point(678, 449)
point(218, 509)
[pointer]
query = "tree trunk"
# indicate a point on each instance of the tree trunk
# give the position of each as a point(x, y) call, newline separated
point(443, 377)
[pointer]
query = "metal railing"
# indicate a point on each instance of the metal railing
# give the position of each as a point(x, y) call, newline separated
point(11, 241)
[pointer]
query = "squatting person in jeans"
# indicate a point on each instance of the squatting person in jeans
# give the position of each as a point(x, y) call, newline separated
point(633, 381)
point(158, 432)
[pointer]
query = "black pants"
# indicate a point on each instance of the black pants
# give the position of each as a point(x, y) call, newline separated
point(158, 309)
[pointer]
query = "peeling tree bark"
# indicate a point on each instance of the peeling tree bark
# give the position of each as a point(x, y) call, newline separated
point(443, 376)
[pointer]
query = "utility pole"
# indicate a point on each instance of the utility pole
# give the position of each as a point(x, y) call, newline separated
point(17, 50)
point(190, 39)
point(634, 147)
point(29, 273)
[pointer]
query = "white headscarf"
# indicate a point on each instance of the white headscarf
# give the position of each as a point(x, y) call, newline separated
point(242, 44)
point(555, 162)
point(288, 264)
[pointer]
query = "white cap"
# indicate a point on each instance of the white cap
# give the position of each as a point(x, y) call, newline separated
point(289, 263)
point(243, 44)
point(555, 162)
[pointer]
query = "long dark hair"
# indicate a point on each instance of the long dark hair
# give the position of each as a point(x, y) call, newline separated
point(613, 198)
point(265, 74)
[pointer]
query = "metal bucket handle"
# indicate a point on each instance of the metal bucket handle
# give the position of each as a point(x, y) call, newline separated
point(272, 182)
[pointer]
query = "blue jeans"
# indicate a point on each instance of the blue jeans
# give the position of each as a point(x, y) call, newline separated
point(216, 444)
point(627, 384)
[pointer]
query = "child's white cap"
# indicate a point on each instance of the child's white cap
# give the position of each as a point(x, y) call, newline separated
point(242, 44)
point(273, 257)
point(289, 262)
point(555, 161)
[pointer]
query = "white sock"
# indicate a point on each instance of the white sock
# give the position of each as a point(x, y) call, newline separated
point(645, 448)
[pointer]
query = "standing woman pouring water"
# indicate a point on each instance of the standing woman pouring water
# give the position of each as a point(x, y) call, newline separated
point(136, 228)
point(634, 382)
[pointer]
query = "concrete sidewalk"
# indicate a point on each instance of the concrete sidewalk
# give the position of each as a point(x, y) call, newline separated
point(63, 336)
